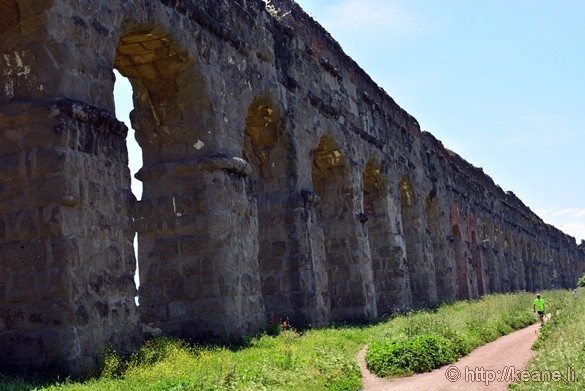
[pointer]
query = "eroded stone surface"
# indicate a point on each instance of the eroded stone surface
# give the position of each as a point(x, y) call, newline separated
point(278, 180)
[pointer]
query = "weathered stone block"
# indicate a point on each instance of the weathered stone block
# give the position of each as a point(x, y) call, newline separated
point(192, 287)
point(20, 287)
point(42, 162)
point(153, 313)
point(21, 225)
point(51, 284)
point(53, 190)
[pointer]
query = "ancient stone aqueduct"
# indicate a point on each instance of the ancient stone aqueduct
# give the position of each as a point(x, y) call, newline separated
point(279, 179)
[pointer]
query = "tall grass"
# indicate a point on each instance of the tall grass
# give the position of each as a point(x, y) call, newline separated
point(316, 359)
point(560, 347)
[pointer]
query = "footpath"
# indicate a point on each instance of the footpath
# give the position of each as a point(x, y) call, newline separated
point(490, 367)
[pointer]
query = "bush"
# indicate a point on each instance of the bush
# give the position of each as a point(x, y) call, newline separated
point(158, 349)
point(420, 354)
point(112, 364)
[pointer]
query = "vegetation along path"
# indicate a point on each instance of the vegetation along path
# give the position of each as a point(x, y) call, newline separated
point(489, 367)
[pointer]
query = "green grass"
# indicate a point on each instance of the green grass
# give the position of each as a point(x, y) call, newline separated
point(316, 359)
point(560, 348)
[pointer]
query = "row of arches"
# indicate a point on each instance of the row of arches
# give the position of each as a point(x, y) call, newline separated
point(361, 245)
point(376, 254)
point(367, 254)
point(361, 251)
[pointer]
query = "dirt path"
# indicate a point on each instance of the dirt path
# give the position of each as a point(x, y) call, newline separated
point(489, 367)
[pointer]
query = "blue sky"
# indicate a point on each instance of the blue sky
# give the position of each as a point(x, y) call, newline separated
point(500, 82)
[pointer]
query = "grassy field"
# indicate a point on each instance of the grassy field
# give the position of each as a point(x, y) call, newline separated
point(284, 358)
point(559, 362)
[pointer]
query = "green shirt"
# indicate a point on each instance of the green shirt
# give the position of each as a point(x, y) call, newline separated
point(539, 304)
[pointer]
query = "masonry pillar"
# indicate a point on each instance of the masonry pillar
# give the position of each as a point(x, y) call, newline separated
point(309, 296)
point(197, 236)
point(66, 256)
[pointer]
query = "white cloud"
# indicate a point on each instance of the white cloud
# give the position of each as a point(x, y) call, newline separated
point(579, 213)
point(571, 212)
point(575, 229)
point(570, 220)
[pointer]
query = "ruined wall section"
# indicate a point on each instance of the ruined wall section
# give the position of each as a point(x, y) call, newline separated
point(326, 86)
point(67, 261)
point(279, 179)
point(66, 256)
point(359, 100)
point(197, 221)
point(519, 250)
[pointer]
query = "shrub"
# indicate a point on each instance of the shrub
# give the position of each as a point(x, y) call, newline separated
point(112, 364)
point(276, 13)
point(157, 349)
point(420, 354)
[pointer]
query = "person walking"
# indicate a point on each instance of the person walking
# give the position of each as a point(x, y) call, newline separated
point(538, 307)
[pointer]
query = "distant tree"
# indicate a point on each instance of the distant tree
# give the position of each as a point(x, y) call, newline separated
point(581, 282)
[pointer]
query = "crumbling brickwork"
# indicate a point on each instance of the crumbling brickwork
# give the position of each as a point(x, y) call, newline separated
point(279, 179)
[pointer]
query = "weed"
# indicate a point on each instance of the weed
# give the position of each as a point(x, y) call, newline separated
point(276, 13)
point(420, 354)
point(112, 364)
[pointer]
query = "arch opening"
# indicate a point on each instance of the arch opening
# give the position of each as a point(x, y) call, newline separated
point(462, 270)
point(169, 117)
point(350, 293)
point(389, 272)
point(124, 105)
point(444, 270)
point(282, 287)
point(477, 262)
point(420, 269)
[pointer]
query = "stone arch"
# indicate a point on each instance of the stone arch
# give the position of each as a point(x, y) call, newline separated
point(488, 257)
point(530, 268)
point(186, 222)
point(261, 134)
point(152, 63)
point(510, 262)
point(389, 270)
point(462, 269)
point(477, 263)
point(459, 253)
point(445, 274)
point(158, 69)
point(500, 247)
point(284, 290)
point(350, 283)
point(374, 188)
point(478, 284)
point(421, 271)
point(522, 261)
point(537, 266)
